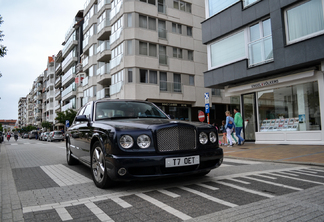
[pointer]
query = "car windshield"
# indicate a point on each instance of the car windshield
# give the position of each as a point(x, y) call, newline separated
point(123, 109)
point(58, 133)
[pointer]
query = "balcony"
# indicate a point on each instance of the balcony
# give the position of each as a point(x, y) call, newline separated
point(171, 87)
point(39, 87)
point(104, 93)
point(49, 106)
point(85, 62)
point(39, 97)
point(69, 60)
point(49, 94)
point(71, 42)
point(103, 50)
point(102, 3)
point(68, 76)
point(58, 82)
point(85, 81)
point(104, 30)
point(68, 106)
point(85, 42)
point(57, 105)
point(57, 94)
point(114, 36)
point(58, 68)
point(114, 11)
point(69, 92)
point(50, 118)
point(104, 69)
point(50, 83)
point(116, 61)
point(115, 88)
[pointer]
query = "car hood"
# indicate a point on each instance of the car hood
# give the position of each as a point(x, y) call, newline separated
point(149, 123)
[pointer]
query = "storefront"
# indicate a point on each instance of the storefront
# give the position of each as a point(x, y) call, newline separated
point(282, 110)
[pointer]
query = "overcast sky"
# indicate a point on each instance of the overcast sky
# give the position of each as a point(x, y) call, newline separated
point(34, 30)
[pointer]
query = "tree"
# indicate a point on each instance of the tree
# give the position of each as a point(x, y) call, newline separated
point(3, 49)
point(1, 128)
point(66, 115)
point(47, 125)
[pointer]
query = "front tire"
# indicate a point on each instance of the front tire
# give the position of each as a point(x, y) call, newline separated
point(98, 167)
point(69, 158)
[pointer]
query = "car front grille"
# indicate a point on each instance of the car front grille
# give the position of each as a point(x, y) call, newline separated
point(177, 138)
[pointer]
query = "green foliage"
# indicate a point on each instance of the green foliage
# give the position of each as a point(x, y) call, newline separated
point(3, 49)
point(1, 128)
point(66, 115)
point(27, 129)
point(47, 125)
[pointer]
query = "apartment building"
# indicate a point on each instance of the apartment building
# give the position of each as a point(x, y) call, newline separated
point(72, 49)
point(268, 55)
point(38, 100)
point(58, 82)
point(30, 109)
point(148, 50)
point(21, 112)
point(48, 91)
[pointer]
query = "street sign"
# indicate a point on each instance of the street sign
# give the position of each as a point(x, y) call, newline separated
point(207, 98)
point(201, 116)
point(206, 108)
point(67, 123)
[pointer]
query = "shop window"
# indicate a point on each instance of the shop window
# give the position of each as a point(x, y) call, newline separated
point(292, 108)
point(304, 20)
point(260, 46)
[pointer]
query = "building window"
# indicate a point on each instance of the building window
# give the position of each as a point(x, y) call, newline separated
point(152, 23)
point(249, 2)
point(147, 22)
point(129, 20)
point(260, 46)
point(163, 58)
point(191, 80)
point(189, 31)
point(190, 55)
point(216, 6)
point(291, 108)
point(143, 76)
point(130, 75)
point(149, 1)
point(129, 47)
point(176, 28)
point(177, 53)
point(163, 81)
point(183, 6)
point(304, 20)
point(177, 82)
point(142, 21)
point(142, 48)
point(153, 77)
point(228, 50)
point(162, 29)
point(152, 50)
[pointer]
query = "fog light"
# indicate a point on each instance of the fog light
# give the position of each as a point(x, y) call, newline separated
point(122, 171)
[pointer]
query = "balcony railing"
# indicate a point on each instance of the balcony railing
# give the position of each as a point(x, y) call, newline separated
point(105, 45)
point(69, 74)
point(57, 92)
point(103, 24)
point(85, 81)
point(116, 61)
point(85, 42)
point(69, 43)
point(102, 3)
point(115, 88)
point(171, 87)
point(70, 105)
point(69, 89)
point(104, 93)
point(85, 61)
point(114, 36)
point(114, 11)
point(105, 69)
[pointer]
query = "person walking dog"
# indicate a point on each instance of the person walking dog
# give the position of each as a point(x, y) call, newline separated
point(238, 121)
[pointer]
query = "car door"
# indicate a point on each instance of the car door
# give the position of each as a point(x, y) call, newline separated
point(75, 135)
point(85, 135)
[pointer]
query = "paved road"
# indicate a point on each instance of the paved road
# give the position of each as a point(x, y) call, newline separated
point(36, 184)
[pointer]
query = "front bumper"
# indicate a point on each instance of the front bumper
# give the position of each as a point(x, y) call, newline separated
point(153, 166)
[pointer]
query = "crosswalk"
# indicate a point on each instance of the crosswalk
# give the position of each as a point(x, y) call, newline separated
point(188, 200)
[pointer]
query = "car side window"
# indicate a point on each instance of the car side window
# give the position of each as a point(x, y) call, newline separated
point(87, 111)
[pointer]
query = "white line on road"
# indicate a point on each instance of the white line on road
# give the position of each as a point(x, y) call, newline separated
point(289, 174)
point(170, 194)
point(98, 212)
point(245, 189)
point(264, 176)
point(165, 207)
point(207, 186)
point(214, 199)
point(63, 213)
point(120, 202)
point(241, 161)
point(294, 178)
point(274, 184)
point(239, 181)
point(308, 174)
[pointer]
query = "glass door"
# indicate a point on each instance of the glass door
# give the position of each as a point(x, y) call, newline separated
point(249, 117)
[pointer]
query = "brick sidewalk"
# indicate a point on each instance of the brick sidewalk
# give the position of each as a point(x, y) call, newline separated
point(301, 154)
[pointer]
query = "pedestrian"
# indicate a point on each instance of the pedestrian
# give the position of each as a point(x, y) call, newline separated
point(229, 127)
point(223, 130)
point(238, 121)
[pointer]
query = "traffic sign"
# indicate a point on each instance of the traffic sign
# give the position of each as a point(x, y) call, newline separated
point(207, 108)
point(201, 116)
point(206, 98)
point(67, 123)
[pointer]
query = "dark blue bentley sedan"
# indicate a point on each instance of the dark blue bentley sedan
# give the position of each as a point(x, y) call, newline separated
point(123, 140)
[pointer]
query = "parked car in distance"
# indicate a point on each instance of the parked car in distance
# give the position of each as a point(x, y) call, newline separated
point(1, 137)
point(124, 140)
point(45, 135)
point(55, 135)
point(32, 135)
point(25, 135)
point(40, 136)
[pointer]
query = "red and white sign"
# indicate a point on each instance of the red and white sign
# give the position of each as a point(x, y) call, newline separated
point(201, 116)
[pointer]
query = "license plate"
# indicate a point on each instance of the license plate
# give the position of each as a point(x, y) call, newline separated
point(181, 161)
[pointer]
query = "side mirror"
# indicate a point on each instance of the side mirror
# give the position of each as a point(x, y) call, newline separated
point(81, 118)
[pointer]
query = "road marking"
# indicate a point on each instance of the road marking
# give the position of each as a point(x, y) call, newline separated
point(98, 212)
point(26, 143)
point(166, 192)
point(241, 161)
point(289, 174)
point(308, 171)
point(14, 144)
point(64, 176)
point(63, 213)
point(120, 202)
point(264, 176)
point(239, 181)
point(318, 170)
point(308, 174)
point(274, 184)
point(214, 199)
point(165, 207)
point(245, 189)
point(207, 186)
point(226, 165)
point(294, 178)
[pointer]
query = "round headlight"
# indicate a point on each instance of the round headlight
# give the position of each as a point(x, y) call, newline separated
point(203, 138)
point(212, 137)
point(126, 141)
point(143, 141)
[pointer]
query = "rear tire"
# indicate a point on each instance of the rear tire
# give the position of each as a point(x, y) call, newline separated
point(69, 158)
point(98, 167)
